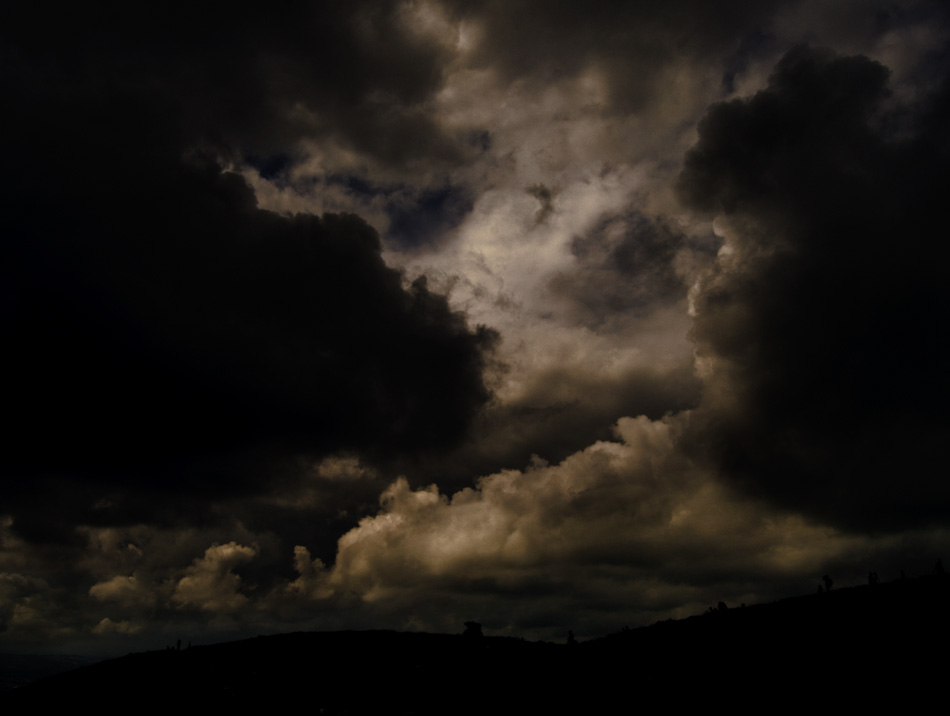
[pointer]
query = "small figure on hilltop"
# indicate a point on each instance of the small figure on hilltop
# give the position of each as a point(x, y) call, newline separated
point(828, 582)
point(872, 579)
point(938, 567)
point(570, 638)
point(473, 630)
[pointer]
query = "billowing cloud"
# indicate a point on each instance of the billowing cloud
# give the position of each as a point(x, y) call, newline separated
point(31, 608)
point(210, 584)
point(821, 324)
point(313, 580)
point(159, 322)
point(257, 80)
point(631, 518)
point(125, 591)
point(623, 309)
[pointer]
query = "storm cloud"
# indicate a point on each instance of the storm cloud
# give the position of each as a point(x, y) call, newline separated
point(159, 323)
point(625, 265)
point(402, 314)
point(823, 321)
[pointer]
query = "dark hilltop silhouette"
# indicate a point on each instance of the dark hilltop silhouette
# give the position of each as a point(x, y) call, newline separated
point(861, 647)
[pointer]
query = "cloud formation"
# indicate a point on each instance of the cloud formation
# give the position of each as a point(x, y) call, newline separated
point(401, 314)
point(822, 322)
point(210, 584)
point(631, 520)
point(160, 323)
point(625, 265)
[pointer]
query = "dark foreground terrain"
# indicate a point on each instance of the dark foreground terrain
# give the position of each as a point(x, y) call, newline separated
point(858, 647)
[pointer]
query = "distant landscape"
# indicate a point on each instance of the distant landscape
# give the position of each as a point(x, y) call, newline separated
point(863, 645)
point(322, 317)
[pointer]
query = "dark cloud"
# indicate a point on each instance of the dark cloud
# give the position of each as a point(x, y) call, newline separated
point(627, 529)
point(158, 323)
point(208, 399)
point(825, 319)
point(751, 48)
point(631, 44)
point(560, 412)
point(252, 79)
point(545, 197)
point(625, 266)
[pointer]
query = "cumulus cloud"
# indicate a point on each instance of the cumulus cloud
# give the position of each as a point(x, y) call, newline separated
point(630, 511)
point(31, 608)
point(168, 334)
point(220, 352)
point(313, 579)
point(820, 324)
point(210, 583)
point(107, 626)
point(124, 591)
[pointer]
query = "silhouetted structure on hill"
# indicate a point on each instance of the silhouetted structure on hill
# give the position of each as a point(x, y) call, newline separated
point(887, 637)
point(473, 630)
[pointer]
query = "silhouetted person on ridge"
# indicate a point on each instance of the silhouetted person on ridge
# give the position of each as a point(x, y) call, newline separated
point(473, 629)
point(570, 638)
point(828, 582)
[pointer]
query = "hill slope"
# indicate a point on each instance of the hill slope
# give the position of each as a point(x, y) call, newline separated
point(864, 645)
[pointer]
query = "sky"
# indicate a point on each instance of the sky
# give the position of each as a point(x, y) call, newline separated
point(401, 314)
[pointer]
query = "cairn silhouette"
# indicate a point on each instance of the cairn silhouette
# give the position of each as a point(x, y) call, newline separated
point(473, 630)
